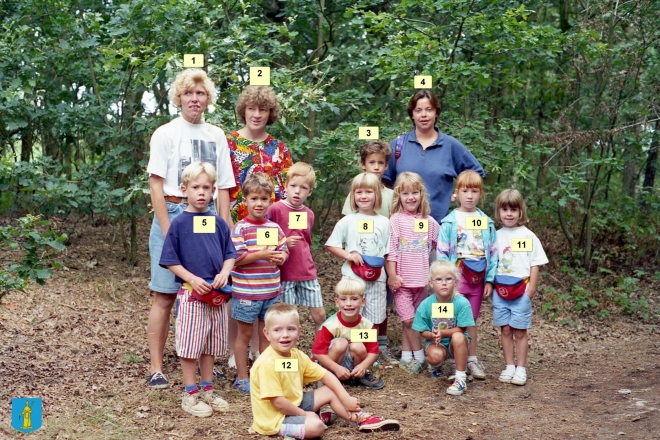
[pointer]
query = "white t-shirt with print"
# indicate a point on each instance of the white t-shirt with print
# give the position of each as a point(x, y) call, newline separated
point(346, 235)
point(514, 263)
point(470, 242)
point(178, 143)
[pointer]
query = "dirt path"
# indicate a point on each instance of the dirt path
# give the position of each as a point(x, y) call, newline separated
point(79, 343)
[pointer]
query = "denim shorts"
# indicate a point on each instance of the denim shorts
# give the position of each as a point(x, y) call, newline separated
point(347, 360)
point(516, 313)
point(307, 404)
point(162, 280)
point(248, 311)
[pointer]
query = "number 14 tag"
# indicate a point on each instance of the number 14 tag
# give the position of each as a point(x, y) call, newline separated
point(442, 310)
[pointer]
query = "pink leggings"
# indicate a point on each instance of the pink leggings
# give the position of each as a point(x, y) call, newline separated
point(473, 292)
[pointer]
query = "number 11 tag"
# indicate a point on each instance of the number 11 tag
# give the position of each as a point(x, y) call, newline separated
point(204, 224)
point(298, 220)
point(286, 365)
point(442, 310)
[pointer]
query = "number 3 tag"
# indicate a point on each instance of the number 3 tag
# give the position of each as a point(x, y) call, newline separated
point(286, 365)
point(267, 237)
point(364, 335)
point(421, 225)
point(442, 310)
point(204, 224)
point(365, 226)
point(298, 220)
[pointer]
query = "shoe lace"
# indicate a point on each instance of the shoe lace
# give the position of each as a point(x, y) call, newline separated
point(157, 375)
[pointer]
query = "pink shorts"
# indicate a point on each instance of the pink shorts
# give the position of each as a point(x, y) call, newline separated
point(474, 293)
point(200, 328)
point(407, 299)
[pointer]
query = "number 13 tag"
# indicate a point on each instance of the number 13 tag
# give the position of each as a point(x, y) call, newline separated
point(298, 220)
point(421, 225)
point(204, 224)
point(364, 335)
point(267, 237)
point(442, 310)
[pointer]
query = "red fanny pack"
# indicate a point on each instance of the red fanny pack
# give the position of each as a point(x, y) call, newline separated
point(371, 269)
point(510, 288)
point(474, 271)
point(215, 298)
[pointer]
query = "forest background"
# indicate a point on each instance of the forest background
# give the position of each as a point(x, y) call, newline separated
point(559, 99)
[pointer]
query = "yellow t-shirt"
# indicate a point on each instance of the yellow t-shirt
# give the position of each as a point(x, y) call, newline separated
point(266, 383)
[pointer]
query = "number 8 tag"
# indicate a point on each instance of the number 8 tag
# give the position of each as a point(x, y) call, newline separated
point(365, 226)
point(421, 225)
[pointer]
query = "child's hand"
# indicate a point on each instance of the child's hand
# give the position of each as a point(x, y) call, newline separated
point(437, 336)
point(292, 241)
point(488, 289)
point(355, 258)
point(394, 281)
point(200, 286)
point(351, 404)
point(220, 281)
point(342, 373)
point(358, 371)
point(278, 258)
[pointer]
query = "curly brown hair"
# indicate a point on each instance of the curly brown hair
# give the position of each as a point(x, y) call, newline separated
point(261, 96)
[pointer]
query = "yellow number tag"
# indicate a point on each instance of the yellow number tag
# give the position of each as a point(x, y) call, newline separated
point(442, 310)
point(365, 226)
point(364, 335)
point(476, 222)
point(286, 365)
point(368, 133)
point(259, 76)
point(193, 60)
point(267, 237)
point(298, 220)
point(204, 224)
point(423, 81)
point(521, 245)
point(421, 225)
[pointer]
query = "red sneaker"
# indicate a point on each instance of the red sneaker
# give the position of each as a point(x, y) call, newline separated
point(371, 423)
point(328, 416)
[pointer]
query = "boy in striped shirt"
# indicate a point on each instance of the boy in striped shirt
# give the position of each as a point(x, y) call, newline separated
point(261, 247)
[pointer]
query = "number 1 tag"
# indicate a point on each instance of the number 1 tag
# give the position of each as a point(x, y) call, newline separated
point(364, 335)
point(267, 237)
point(521, 245)
point(478, 222)
point(286, 365)
point(421, 225)
point(298, 220)
point(204, 224)
point(365, 226)
point(442, 310)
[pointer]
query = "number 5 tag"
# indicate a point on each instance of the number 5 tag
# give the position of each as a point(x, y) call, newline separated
point(442, 310)
point(298, 220)
point(204, 224)
point(267, 237)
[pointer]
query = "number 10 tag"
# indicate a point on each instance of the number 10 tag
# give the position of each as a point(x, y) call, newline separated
point(476, 222)
point(421, 225)
point(267, 237)
point(442, 310)
point(298, 220)
point(364, 335)
point(286, 365)
point(204, 224)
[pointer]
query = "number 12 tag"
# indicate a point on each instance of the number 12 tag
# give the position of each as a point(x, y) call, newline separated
point(298, 220)
point(365, 226)
point(204, 224)
point(421, 225)
point(364, 335)
point(267, 237)
point(286, 365)
point(442, 310)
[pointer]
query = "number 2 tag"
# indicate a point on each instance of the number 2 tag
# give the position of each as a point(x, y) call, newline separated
point(298, 220)
point(421, 225)
point(365, 226)
point(364, 335)
point(204, 224)
point(267, 237)
point(476, 222)
point(442, 310)
point(259, 76)
point(286, 365)
point(521, 245)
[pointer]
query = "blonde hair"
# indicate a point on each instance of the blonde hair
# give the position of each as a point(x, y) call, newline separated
point(350, 286)
point(368, 181)
point(280, 310)
point(414, 181)
point(304, 170)
point(188, 79)
point(440, 265)
point(470, 179)
point(511, 198)
point(259, 96)
point(192, 171)
point(257, 182)
point(375, 147)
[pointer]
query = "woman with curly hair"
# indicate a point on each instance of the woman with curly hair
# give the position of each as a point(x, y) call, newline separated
point(253, 150)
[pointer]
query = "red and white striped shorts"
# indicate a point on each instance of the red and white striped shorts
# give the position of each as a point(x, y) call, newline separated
point(200, 328)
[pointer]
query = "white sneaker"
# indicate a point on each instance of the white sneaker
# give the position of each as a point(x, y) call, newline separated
point(476, 369)
point(506, 376)
point(190, 403)
point(213, 400)
point(519, 377)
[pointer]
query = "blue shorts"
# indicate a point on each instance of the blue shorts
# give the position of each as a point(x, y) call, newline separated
point(347, 360)
point(306, 293)
point(162, 279)
point(516, 313)
point(307, 404)
point(447, 347)
point(248, 311)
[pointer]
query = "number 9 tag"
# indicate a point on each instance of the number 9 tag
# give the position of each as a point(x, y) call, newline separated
point(267, 237)
point(204, 224)
point(286, 365)
point(421, 225)
point(442, 310)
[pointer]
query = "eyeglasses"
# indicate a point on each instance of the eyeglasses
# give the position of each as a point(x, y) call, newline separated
point(418, 111)
point(444, 280)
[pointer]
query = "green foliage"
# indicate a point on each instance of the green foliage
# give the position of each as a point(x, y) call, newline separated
point(31, 252)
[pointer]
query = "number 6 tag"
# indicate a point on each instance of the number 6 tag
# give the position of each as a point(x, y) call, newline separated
point(421, 225)
point(267, 237)
point(204, 224)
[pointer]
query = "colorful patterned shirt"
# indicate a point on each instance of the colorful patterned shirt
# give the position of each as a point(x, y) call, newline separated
point(411, 249)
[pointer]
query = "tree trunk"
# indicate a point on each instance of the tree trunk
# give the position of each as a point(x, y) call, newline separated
point(651, 164)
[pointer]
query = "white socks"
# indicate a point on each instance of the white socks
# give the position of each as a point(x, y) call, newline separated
point(419, 355)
